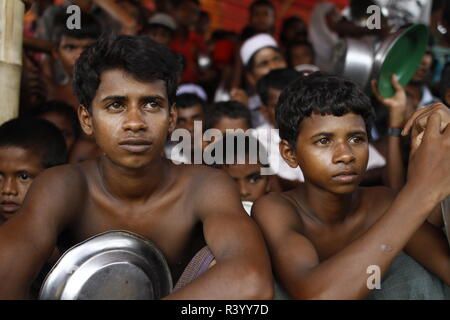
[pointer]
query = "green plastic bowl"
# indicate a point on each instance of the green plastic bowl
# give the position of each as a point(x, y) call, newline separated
point(400, 54)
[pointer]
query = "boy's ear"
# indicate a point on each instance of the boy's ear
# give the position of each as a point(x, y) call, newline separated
point(251, 79)
point(173, 115)
point(55, 53)
point(288, 153)
point(85, 120)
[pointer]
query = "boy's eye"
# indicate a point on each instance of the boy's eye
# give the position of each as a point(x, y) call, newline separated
point(115, 106)
point(254, 179)
point(24, 176)
point(323, 141)
point(357, 139)
point(151, 105)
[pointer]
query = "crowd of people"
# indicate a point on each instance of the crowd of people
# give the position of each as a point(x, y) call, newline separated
point(243, 153)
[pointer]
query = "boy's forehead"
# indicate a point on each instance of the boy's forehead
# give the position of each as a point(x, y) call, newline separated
point(19, 158)
point(116, 82)
point(331, 123)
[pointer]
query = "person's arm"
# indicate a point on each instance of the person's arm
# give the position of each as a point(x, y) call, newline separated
point(344, 275)
point(242, 269)
point(429, 247)
point(397, 118)
point(28, 239)
point(118, 13)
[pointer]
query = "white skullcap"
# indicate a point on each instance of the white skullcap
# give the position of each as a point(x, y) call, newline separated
point(255, 43)
point(192, 88)
point(163, 20)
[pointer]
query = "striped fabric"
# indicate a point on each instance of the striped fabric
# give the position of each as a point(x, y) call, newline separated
point(197, 266)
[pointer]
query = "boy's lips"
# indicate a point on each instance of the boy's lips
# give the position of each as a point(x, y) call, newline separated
point(346, 176)
point(135, 145)
point(9, 207)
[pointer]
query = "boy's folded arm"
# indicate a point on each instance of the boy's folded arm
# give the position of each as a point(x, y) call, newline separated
point(345, 274)
point(243, 267)
point(28, 239)
point(429, 247)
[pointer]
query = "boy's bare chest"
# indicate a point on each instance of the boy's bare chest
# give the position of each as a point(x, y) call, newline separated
point(168, 222)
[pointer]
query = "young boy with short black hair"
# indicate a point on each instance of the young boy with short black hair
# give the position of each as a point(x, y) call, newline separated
point(27, 147)
point(329, 236)
point(68, 45)
point(126, 87)
point(227, 115)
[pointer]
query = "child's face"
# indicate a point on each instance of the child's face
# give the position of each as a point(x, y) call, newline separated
point(130, 119)
point(269, 110)
point(301, 55)
point(264, 61)
point(230, 123)
point(18, 168)
point(187, 117)
point(161, 35)
point(262, 18)
point(252, 185)
point(69, 51)
point(63, 125)
point(332, 152)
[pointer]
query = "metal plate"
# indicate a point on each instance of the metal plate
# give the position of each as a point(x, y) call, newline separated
point(115, 265)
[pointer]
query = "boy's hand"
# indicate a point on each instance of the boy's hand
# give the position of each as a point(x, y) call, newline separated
point(396, 104)
point(239, 95)
point(418, 121)
point(430, 158)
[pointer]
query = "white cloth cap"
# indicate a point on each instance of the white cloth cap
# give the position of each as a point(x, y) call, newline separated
point(255, 43)
point(192, 88)
point(164, 20)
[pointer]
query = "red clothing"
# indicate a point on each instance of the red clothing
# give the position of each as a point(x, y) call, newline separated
point(189, 48)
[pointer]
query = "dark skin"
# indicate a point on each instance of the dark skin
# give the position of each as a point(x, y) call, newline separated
point(323, 235)
point(131, 187)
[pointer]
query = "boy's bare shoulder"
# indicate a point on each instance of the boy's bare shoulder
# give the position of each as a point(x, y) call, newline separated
point(276, 206)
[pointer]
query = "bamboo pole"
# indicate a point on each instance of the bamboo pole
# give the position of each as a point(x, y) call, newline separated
point(11, 37)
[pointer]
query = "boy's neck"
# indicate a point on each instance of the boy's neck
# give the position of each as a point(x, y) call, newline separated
point(131, 184)
point(329, 208)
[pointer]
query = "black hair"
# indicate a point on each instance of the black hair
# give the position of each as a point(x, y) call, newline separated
point(177, 3)
point(250, 64)
point(62, 108)
point(298, 44)
point(287, 24)
point(37, 135)
point(244, 148)
point(187, 100)
point(141, 57)
point(261, 3)
point(444, 84)
point(231, 109)
point(90, 28)
point(275, 79)
point(321, 93)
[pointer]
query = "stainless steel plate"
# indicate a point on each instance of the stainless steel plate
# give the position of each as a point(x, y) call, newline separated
point(115, 265)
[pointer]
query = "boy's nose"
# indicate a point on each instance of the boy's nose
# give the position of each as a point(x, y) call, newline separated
point(9, 187)
point(343, 153)
point(244, 190)
point(134, 121)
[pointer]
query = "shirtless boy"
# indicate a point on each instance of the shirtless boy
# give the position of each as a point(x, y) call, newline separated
point(323, 235)
point(126, 87)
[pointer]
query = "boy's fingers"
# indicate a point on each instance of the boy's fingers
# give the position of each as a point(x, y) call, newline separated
point(433, 126)
point(412, 119)
point(394, 80)
point(415, 142)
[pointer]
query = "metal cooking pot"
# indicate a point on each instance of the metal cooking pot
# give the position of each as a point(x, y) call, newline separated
point(400, 53)
point(115, 265)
